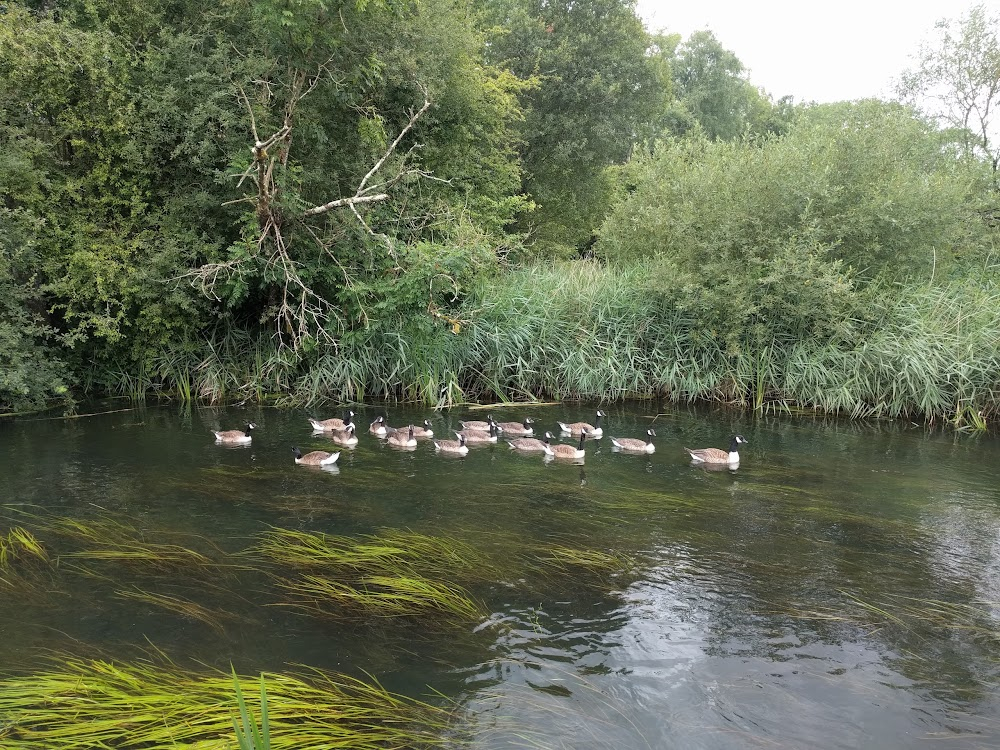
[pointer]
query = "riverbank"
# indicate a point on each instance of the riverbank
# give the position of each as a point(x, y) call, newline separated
point(589, 331)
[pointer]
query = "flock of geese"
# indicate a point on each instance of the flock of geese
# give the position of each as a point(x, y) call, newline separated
point(343, 432)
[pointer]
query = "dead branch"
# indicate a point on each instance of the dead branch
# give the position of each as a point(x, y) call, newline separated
point(300, 312)
point(362, 192)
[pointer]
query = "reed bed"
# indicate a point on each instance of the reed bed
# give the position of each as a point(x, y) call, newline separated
point(586, 330)
point(100, 704)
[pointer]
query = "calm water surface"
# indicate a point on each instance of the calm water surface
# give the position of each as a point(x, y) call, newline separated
point(841, 589)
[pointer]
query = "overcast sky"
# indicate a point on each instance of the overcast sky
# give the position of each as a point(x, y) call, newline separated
point(815, 51)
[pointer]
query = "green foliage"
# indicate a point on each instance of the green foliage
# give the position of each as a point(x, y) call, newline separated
point(150, 240)
point(32, 369)
point(711, 86)
point(596, 89)
point(867, 184)
point(248, 735)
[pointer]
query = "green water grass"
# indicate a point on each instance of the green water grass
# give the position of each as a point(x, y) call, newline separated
point(101, 704)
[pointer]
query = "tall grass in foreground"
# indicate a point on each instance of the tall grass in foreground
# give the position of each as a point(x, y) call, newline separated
point(584, 330)
point(98, 704)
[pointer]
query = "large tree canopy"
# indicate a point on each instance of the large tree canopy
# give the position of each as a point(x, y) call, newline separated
point(595, 90)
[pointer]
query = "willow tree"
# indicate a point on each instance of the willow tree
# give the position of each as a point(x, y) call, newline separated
point(957, 80)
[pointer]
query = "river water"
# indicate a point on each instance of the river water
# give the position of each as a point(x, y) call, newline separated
point(840, 589)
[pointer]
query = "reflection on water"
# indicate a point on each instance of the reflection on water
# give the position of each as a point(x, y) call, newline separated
point(840, 588)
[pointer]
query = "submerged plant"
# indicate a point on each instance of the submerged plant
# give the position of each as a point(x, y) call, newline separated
point(175, 605)
point(17, 547)
point(392, 575)
point(113, 541)
point(88, 704)
point(20, 543)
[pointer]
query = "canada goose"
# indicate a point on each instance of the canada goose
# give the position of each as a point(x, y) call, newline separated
point(458, 447)
point(315, 458)
point(401, 440)
point(378, 427)
point(564, 450)
point(346, 437)
point(718, 456)
point(478, 425)
point(332, 425)
point(517, 428)
point(425, 430)
point(529, 444)
point(633, 445)
point(594, 430)
point(478, 436)
point(235, 437)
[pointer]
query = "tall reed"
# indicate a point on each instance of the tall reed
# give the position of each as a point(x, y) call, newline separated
point(585, 330)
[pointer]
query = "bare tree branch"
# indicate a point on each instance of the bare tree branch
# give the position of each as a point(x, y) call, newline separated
point(299, 311)
point(362, 190)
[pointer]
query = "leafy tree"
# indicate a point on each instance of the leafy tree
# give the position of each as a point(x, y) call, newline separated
point(32, 369)
point(711, 86)
point(596, 91)
point(373, 127)
point(957, 81)
point(773, 238)
point(712, 92)
point(229, 145)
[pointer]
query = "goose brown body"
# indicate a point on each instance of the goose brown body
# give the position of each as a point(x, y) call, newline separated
point(480, 436)
point(565, 450)
point(634, 445)
point(457, 447)
point(315, 458)
point(401, 439)
point(478, 424)
point(334, 424)
point(576, 428)
point(517, 428)
point(346, 437)
point(426, 430)
point(530, 444)
point(717, 455)
point(235, 437)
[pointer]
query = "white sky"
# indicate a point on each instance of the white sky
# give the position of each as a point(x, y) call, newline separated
point(815, 51)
